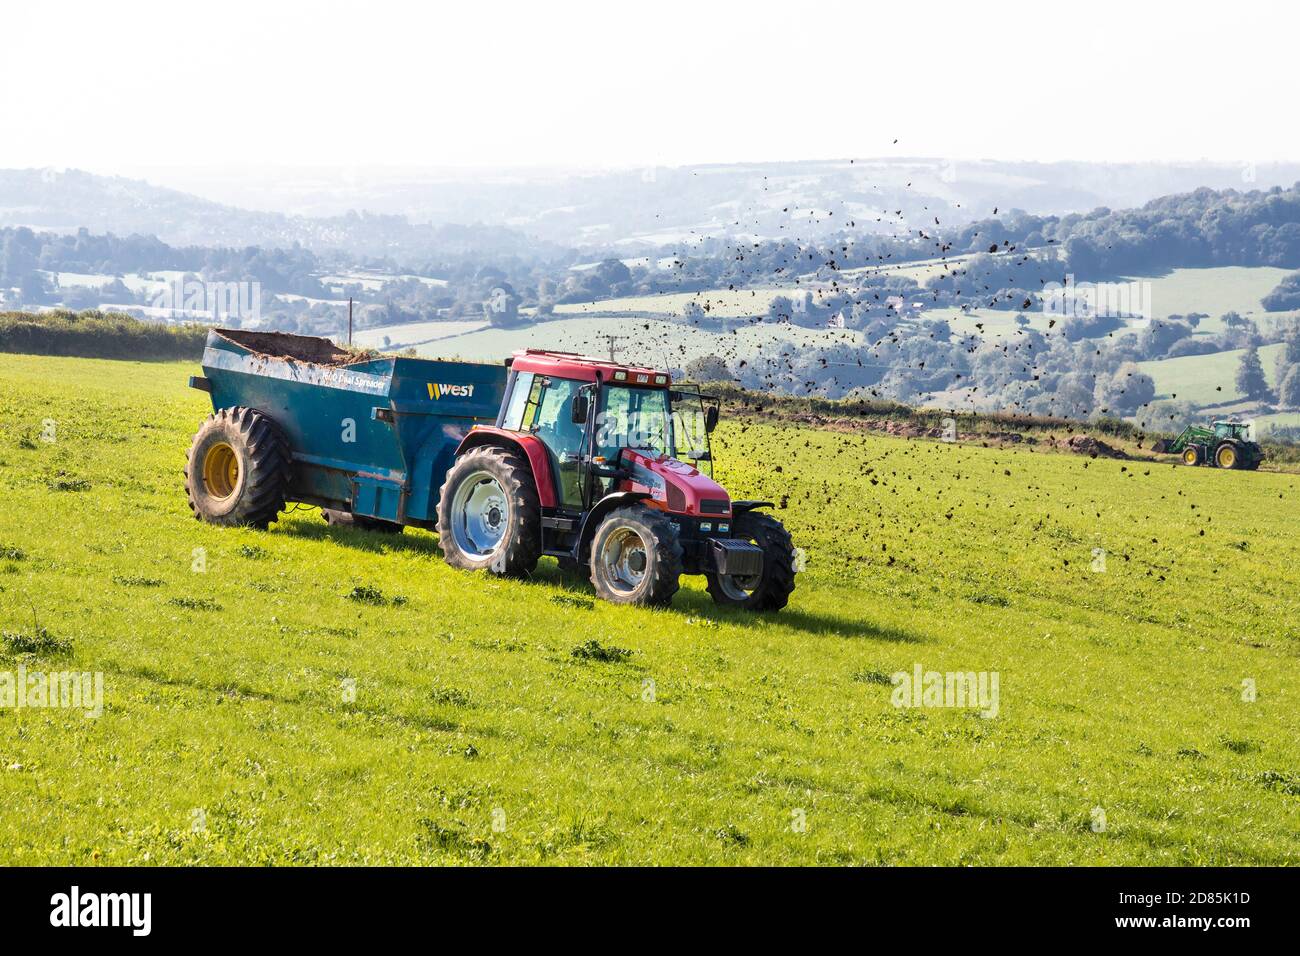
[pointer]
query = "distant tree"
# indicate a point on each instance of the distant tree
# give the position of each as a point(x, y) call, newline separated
point(1170, 416)
point(1291, 354)
point(613, 272)
point(1285, 297)
point(693, 311)
point(708, 368)
point(1160, 336)
point(1250, 376)
point(1232, 320)
point(780, 309)
point(1126, 391)
point(502, 306)
point(1021, 320)
point(1288, 391)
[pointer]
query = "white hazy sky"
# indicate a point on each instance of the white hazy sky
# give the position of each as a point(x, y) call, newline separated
point(113, 87)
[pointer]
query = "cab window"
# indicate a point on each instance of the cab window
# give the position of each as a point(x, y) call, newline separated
point(521, 395)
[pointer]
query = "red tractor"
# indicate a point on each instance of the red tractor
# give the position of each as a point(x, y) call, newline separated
point(608, 467)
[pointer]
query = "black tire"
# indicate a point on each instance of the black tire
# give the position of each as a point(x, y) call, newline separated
point(771, 590)
point(506, 536)
point(346, 519)
point(636, 557)
point(1229, 452)
point(1192, 455)
point(238, 469)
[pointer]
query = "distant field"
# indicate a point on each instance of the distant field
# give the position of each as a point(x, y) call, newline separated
point(996, 322)
point(256, 713)
point(413, 333)
point(1264, 423)
point(1214, 291)
point(667, 344)
point(722, 303)
point(1207, 379)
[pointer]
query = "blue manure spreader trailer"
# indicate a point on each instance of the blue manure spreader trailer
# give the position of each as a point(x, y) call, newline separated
point(372, 439)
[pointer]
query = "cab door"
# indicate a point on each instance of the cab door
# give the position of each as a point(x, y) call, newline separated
point(548, 414)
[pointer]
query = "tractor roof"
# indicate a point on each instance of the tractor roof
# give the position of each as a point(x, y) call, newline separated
point(586, 368)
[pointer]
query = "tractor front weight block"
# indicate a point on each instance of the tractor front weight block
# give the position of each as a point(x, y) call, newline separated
point(740, 558)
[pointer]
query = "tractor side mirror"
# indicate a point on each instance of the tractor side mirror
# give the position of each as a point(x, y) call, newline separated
point(711, 418)
point(578, 414)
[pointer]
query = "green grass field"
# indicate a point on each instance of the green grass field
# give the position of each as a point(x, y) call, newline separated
point(476, 735)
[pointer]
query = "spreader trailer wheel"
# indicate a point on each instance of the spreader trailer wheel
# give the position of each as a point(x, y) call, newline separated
point(770, 589)
point(636, 557)
point(238, 469)
point(489, 515)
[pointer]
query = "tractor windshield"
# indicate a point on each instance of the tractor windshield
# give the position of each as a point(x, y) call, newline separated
point(633, 418)
point(654, 420)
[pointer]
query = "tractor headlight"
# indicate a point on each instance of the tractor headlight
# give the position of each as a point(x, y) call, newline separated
point(706, 525)
point(724, 528)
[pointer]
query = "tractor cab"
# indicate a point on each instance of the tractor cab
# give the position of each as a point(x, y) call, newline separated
point(1231, 429)
point(587, 413)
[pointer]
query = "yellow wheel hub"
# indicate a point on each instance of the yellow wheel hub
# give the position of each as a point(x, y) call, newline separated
point(221, 471)
point(1227, 457)
point(1189, 456)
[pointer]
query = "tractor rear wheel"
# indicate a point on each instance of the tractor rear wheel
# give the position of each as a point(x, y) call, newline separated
point(770, 590)
point(489, 515)
point(636, 557)
point(238, 469)
point(1227, 455)
point(1192, 455)
point(346, 519)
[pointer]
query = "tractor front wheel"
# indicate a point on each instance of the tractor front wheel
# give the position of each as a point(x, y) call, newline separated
point(1192, 455)
point(489, 515)
point(238, 469)
point(770, 590)
point(636, 557)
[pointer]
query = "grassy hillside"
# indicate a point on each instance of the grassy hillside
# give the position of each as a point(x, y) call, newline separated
point(1207, 379)
point(476, 735)
point(1214, 291)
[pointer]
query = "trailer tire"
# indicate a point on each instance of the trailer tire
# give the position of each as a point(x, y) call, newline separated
point(489, 515)
point(238, 469)
point(636, 557)
point(771, 591)
point(346, 519)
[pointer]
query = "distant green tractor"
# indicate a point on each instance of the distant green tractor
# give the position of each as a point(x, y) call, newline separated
point(1226, 444)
